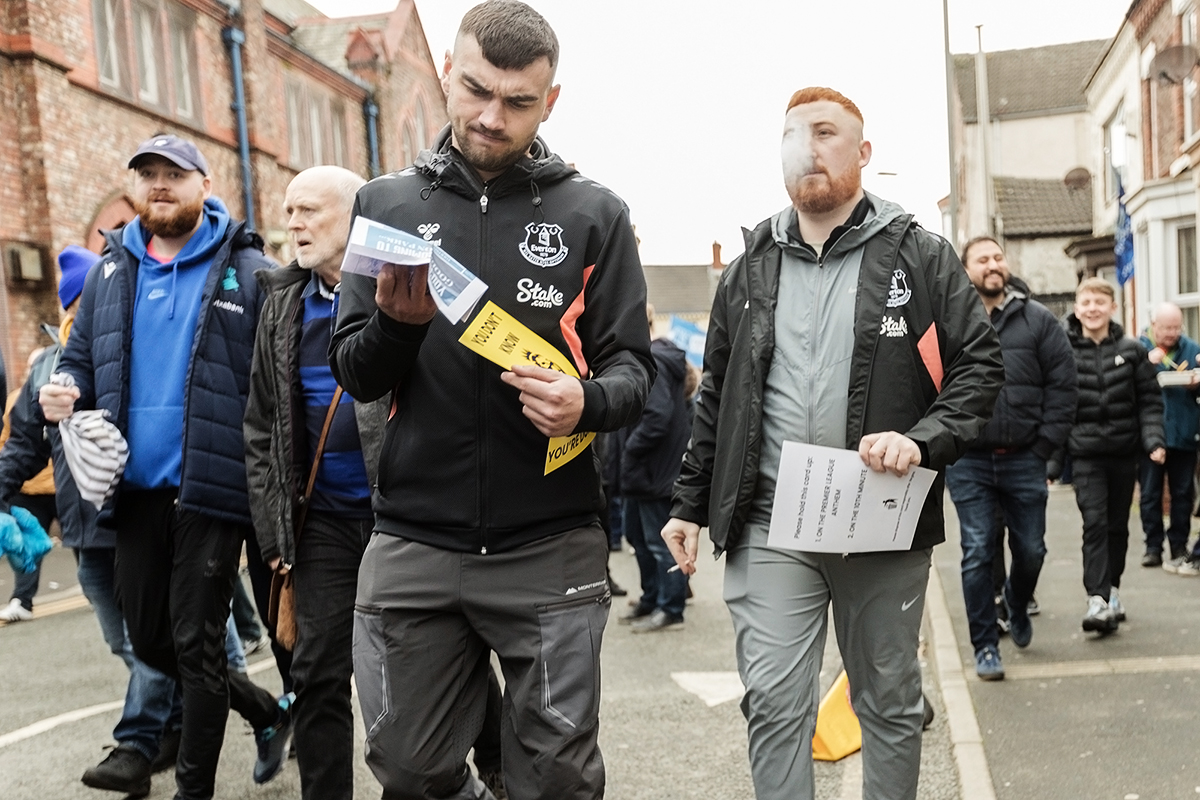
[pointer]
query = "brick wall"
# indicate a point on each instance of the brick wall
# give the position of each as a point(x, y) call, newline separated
point(65, 140)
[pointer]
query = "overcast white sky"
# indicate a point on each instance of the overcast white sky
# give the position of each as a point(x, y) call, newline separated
point(677, 105)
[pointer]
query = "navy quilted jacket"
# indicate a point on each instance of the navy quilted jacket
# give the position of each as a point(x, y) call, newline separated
point(213, 478)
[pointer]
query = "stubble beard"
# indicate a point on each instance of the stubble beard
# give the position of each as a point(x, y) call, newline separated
point(821, 197)
point(178, 222)
point(488, 160)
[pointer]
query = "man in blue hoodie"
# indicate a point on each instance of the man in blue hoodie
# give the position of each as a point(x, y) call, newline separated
point(163, 341)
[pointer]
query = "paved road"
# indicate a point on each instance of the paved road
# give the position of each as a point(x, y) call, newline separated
point(660, 741)
point(1079, 716)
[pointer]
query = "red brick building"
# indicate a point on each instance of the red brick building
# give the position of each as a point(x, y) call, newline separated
point(82, 82)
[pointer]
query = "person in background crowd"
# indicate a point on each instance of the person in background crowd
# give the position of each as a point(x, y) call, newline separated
point(1004, 470)
point(843, 324)
point(164, 334)
point(147, 733)
point(1170, 350)
point(650, 460)
point(1118, 419)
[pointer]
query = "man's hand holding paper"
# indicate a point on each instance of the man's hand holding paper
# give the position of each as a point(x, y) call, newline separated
point(552, 400)
point(889, 452)
point(402, 292)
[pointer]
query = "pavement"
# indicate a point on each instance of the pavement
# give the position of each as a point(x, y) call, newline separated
point(1077, 717)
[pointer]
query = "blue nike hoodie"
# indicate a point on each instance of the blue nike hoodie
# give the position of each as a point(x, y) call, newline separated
point(166, 307)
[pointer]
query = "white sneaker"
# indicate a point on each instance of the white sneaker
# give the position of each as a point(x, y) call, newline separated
point(1118, 609)
point(1100, 617)
point(15, 612)
point(1173, 565)
point(1189, 569)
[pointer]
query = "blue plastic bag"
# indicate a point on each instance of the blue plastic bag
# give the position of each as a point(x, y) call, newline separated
point(30, 544)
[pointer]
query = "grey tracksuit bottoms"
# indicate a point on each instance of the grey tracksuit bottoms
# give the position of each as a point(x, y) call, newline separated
point(425, 622)
point(779, 602)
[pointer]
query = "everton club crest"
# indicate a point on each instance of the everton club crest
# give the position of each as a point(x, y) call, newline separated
point(543, 244)
point(899, 292)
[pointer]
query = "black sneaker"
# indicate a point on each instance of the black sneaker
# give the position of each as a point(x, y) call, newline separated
point(639, 611)
point(124, 770)
point(1152, 558)
point(658, 621)
point(273, 743)
point(168, 752)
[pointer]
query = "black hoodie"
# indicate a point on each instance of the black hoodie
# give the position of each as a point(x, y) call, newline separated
point(653, 452)
point(461, 466)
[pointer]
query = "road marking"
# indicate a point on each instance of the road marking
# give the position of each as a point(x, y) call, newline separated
point(41, 726)
point(713, 688)
point(50, 723)
point(49, 605)
point(1104, 666)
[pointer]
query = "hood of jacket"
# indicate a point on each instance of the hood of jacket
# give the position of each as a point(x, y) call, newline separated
point(445, 166)
point(784, 227)
point(670, 358)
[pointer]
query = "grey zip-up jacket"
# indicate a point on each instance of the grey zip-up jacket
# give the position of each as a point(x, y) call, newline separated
point(923, 360)
point(277, 463)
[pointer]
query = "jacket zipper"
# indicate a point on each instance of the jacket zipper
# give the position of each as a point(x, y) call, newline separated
point(812, 341)
point(481, 382)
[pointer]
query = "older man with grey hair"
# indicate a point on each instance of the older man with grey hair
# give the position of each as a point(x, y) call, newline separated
point(1171, 351)
point(291, 392)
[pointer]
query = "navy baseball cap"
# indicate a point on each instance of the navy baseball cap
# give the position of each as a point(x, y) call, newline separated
point(178, 151)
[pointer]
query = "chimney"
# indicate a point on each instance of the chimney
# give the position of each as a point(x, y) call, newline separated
point(716, 262)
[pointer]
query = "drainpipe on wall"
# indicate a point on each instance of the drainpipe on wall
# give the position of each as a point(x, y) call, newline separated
point(234, 39)
point(371, 112)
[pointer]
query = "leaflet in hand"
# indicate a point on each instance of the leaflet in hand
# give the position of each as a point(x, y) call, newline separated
point(827, 501)
point(372, 244)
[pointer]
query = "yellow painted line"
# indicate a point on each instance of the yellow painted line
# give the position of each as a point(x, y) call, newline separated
point(1105, 666)
point(57, 603)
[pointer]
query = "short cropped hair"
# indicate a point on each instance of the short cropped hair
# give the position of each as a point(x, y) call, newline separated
point(1096, 286)
point(511, 35)
point(977, 240)
point(815, 94)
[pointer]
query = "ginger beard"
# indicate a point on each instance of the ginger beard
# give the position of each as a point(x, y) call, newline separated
point(180, 220)
point(810, 186)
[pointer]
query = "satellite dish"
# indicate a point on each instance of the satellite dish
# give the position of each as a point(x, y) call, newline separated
point(1174, 64)
point(1078, 178)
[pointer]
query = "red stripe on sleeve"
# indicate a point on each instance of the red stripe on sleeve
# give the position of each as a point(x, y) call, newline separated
point(931, 355)
point(567, 324)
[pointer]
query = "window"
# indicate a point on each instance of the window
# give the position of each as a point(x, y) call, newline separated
point(316, 127)
point(109, 25)
point(409, 145)
point(1185, 251)
point(160, 69)
point(1114, 151)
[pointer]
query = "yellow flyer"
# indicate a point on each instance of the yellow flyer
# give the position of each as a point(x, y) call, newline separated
point(502, 339)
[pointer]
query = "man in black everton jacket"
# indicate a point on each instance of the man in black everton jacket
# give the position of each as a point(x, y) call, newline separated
point(475, 549)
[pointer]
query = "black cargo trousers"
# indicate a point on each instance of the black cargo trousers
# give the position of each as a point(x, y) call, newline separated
point(424, 623)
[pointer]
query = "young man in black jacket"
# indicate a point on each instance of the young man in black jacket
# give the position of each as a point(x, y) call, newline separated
point(477, 546)
point(1117, 420)
point(843, 325)
point(1005, 468)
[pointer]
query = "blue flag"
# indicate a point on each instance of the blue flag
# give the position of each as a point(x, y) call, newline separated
point(1123, 246)
point(689, 338)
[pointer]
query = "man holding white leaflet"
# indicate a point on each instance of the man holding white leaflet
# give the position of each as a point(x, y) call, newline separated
point(843, 325)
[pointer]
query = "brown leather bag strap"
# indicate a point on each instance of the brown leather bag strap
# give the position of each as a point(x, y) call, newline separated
point(312, 473)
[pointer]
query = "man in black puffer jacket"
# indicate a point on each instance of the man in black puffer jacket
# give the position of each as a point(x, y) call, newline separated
point(650, 460)
point(1005, 469)
point(1118, 417)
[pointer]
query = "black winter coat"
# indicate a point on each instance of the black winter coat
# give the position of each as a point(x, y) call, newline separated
point(1120, 410)
point(936, 385)
point(30, 443)
point(213, 479)
point(462, 468)
point(653, 450)
point(1036, 407)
